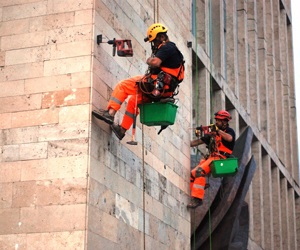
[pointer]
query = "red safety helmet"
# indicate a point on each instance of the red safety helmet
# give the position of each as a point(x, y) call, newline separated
point(223, 115)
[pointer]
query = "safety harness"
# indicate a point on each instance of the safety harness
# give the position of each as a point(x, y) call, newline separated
point(164, 84)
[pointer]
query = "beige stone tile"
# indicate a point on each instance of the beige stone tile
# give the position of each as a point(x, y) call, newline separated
point(5, 119)
point(24, 11)
point(57, 6)
point(41, 241)
point(69, 34)
point(22, 71)
point(9, 220)
point(52, 218)
point(81, 79)
point(27, 55)
point(49, 192)
point(47, 83)
point(36, 25)
point(20, 27)
point(35, 117)
point(64, 148)
point(74, 240)
point(20, 103)
point(23, 194)
point(10, 153)
point(103, 224)
point(72, 49)
point(66, 97)
point(14, 2)
point(67, 65)
point(83, 17)
point(71, 114)
point(19, 135)
point(11, 88)
point(32, 151)
point(5, 195)
point(10, 171)
point(13, 241)
point(63, 131)
point(57, 21)
point(58, 82)
point(2, 58)
point(54, 168)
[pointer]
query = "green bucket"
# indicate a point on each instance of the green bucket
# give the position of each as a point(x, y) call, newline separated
point(224, 167)
point(157, 113)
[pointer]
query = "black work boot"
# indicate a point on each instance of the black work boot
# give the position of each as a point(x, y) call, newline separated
point(118, 130)
point(103, 115)
point(196, 202)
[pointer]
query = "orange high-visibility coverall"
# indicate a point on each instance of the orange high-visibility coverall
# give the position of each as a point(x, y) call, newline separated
point(197, 184)
point(123, 89)
point(130, 87)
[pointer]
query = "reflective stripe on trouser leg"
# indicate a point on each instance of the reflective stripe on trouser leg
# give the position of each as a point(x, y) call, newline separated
point(130, 109)
point(122, 90)
point(198, 187)
point(127, 120)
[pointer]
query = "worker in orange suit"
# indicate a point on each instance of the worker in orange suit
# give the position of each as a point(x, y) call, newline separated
point(220, 141)
point(165, 72)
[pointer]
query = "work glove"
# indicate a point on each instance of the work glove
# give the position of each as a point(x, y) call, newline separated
point(198, 131)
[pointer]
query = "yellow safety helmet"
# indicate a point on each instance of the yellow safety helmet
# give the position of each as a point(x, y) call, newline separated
point(153, 30)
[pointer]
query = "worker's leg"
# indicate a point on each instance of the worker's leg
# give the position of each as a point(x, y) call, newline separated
point(199, 180)
point(123, 89)
point(198, 174)
point(131, 110)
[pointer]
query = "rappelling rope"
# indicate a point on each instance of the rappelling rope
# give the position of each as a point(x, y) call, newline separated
point(156, 14)
point(144, 182)
point(211, 110)
point(155, 10)
point(197, 102)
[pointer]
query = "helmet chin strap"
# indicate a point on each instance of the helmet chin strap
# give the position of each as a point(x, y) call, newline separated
point(155, 48)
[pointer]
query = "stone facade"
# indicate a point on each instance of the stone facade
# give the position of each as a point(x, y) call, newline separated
point(66, 182)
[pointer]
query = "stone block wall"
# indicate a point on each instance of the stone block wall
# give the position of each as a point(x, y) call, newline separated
point(66, 182)
point(45, 81)
point(250, 73)
point(141, 191)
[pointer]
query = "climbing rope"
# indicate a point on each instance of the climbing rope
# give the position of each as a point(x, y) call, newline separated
point(155, 10)
point(211, 109)
point(144, 183)
point(211, 103)
point(197, 100)
point(156, 14)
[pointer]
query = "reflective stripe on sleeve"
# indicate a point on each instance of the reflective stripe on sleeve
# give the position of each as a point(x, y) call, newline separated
point(199, 186)
point(114, 99)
